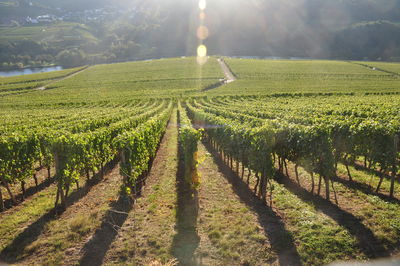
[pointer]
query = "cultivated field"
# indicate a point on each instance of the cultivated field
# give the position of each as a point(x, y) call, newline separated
point(266, 77)
point(293, 163)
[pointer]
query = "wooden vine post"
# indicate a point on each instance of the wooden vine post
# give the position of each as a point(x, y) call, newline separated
point(394, 166)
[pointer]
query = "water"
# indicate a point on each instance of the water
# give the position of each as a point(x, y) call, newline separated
point(26, 71)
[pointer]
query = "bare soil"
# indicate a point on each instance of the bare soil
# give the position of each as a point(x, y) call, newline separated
point(229, 77)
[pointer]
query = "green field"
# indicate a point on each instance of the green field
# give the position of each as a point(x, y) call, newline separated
point(22, 84)
point(298, 163)
point(282, 76)
point(391, 67)
point(66, 31)
point(159, 78)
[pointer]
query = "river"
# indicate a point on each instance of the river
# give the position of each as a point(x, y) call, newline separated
point(25, 71)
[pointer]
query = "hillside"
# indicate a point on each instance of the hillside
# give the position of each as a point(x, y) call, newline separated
point(293, 162)
point(130, 30)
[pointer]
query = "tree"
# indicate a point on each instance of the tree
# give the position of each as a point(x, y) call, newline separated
point(71, 58)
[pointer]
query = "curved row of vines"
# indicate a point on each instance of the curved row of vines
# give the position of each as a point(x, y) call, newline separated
point(312, 134)
point(80, 142)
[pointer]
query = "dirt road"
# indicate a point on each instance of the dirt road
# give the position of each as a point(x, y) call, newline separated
point(229, 76)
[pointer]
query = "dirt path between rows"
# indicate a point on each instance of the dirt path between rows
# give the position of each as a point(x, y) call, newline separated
point(375, 68)
point(45, 87)
point(229, 76)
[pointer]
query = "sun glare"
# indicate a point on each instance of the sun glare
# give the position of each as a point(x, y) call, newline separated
point(202, 4)
point(201, 51)
point(202, 32)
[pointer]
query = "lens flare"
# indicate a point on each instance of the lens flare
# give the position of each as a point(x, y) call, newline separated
point(202, 4)
point(202, 33)
point(202, 15)
point(201, 60)
point(201, 51)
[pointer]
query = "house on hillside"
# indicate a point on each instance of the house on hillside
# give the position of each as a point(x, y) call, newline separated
point(31, 20)
point(46, 18)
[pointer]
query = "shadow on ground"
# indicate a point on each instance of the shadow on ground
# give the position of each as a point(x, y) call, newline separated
point(364, 188)
point(368, 242)
point(360, 167)
point(281, 240)
point(96, 248)
point(8, 204)
point(14, 252)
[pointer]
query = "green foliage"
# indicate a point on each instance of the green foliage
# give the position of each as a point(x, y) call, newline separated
point(316, 138)
point(137, 147)
point(39, 45)
point(373, 40)
point(17, 84)
point(253, 145)
point(76, 144)
point(189, 138)
point(70, 58)
point(76, 153)
point(104, 112)
point(269, 77)
point(356, 30)
point(174, 77)
point(18, 154)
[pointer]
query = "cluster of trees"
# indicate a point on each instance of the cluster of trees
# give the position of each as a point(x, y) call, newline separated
point(25, 53)
point(92, 45)
point(378, 40)
point(335, 29)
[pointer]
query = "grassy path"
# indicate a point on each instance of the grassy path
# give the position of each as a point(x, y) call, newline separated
point(299, 231)
point(42, 86)
point(16, 220)
point(31, 189)
point(235, 228)
point(46, 86)
point(53, 239)
point(148, 232)
point(372, 219)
